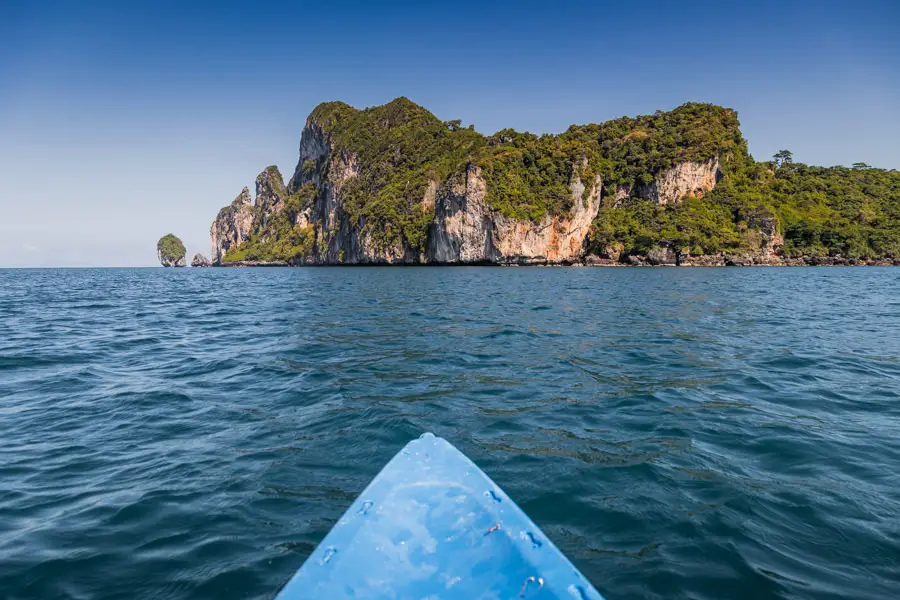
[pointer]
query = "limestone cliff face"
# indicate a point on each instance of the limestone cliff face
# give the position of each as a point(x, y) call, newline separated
point(232, 226)
point(771, 246)
point(461, 231)
point(339, 239)
point(765, 241)
point(271, 195)
point(466, 230)
point(671, 185)
point(168, 261)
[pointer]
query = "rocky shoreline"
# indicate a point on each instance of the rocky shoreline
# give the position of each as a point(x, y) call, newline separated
point(594, 261)
point(745, 260)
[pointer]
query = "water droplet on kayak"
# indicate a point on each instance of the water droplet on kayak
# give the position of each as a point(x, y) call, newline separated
point(329, 553)
point(364, 509)
point(535, 542)
point(532, 583)
point(578, 592)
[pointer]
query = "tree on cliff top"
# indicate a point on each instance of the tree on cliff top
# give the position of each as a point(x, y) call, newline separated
point(783, 158)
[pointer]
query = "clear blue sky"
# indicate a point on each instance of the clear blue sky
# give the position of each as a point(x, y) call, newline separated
point(122, 121)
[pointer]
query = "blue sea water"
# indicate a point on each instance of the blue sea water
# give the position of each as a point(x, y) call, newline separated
point(678, 433)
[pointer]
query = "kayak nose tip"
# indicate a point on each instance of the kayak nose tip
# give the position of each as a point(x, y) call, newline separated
point(427, 436)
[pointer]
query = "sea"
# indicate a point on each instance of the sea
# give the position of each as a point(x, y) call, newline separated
point(679, 433)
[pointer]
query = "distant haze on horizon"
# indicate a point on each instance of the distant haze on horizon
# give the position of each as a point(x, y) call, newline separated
point(126, 121)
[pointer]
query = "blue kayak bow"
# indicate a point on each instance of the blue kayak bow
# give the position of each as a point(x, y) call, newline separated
point(432, 525)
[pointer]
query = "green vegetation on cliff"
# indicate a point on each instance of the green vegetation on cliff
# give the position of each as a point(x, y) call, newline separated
point(631, 151)
point(819, 211)
point(282, 237)
point(283, 244)
point(695, 225)
point(528, 176)
point(170, 249)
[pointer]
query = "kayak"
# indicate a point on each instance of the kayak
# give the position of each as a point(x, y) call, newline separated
point(432, 525)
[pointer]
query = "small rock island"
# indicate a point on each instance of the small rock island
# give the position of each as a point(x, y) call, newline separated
point(171, 251)
point(200, 261)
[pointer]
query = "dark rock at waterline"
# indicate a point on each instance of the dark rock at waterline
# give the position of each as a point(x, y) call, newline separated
point(200, 261)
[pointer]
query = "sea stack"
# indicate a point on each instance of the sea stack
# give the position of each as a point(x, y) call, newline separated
point(171, 251)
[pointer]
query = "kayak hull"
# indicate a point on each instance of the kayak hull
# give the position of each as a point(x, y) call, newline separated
point(433, 525)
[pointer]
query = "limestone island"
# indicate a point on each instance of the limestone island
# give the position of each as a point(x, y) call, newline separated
point(394, 184)
point(171, 251)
